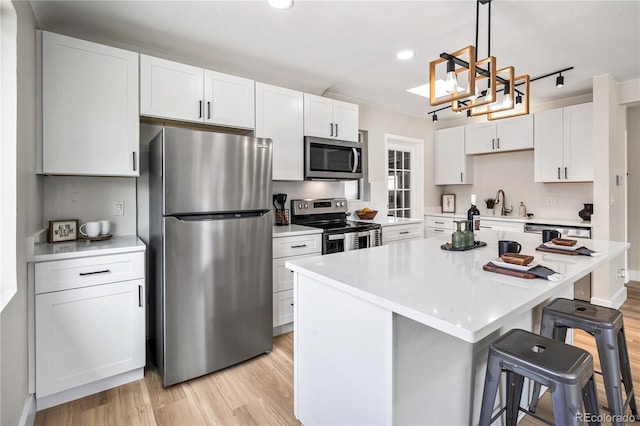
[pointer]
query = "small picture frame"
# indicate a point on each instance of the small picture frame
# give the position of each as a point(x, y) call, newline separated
point(448, 203)
point(63, 230)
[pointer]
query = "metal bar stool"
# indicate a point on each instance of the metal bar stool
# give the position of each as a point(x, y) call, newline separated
point(565, 369)
point(606, 325)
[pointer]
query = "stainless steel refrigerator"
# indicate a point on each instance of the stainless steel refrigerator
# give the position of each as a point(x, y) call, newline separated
point(210, 230)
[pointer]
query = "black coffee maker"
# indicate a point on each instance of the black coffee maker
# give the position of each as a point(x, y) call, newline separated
point(279, 202)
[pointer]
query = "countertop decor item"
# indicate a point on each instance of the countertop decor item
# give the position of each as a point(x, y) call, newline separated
point(366, 213)
point(98, 238)
point(63, 230)
point(522, 210)
point(491, 204)
point(449, 247)
point(586, 212)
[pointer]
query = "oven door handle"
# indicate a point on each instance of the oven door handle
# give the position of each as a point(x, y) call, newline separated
point(333, 237)
point(355, 160)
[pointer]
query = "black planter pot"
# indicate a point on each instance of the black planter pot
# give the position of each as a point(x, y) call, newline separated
point(585, 214)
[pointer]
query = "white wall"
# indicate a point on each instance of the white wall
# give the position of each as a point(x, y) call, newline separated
point(633, 187)
point(13, 341)
point(91, 198)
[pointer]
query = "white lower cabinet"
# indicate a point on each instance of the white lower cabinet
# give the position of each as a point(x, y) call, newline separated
point(89, 325)
point(284, 250)
point(438, 225)
point(397, 233)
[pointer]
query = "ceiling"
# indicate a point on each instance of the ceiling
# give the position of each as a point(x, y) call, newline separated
point(349, 47)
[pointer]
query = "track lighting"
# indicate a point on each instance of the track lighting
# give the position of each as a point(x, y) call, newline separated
point(559, 80)
point(435, 117)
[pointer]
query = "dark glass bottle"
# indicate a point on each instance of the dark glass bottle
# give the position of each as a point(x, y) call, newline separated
point(473, 214)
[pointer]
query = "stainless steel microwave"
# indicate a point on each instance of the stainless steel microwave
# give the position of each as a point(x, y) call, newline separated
point(330, 159)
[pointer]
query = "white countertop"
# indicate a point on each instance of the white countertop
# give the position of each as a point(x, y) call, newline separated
point(390, 221)
point(537, 220)
point(75, 249)
point(292, 230)
point(448, 290)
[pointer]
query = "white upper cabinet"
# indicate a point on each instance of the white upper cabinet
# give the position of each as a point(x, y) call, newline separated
point(511, 134)
point(89, 117)
point(182, 92)
point(452, 165)
point(229, 100)
point(170, 89)
point(564, 144)
point(328, 118)
point(279, 116)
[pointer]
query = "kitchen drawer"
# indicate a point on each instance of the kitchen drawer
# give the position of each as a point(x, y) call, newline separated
point(501, 225)
point(436, 232)
point(283, 277)
point(87, 271)
point(402, 232)
point(297, 245)
point(282, 307)
point(440, 222)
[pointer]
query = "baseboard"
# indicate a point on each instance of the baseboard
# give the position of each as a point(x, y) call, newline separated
point(616, 301)
point(282, 329)
point(89, 389)
point(634, 275)
point(28, 416)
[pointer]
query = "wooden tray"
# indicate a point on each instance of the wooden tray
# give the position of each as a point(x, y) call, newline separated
point(447, 246)
point(510, 272)
point(557, 251)
point(98, 238)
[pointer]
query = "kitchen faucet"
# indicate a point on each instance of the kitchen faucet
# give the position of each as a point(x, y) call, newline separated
point(504, 210)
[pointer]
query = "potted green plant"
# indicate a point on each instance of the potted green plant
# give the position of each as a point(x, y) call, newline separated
point(491, 203)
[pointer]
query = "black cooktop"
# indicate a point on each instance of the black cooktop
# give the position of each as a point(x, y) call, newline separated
point(348, 225)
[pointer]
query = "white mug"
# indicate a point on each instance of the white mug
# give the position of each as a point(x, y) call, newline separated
point(91, 229)
point(105, 226)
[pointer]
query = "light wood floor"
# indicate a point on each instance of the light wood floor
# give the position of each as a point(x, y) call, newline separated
point(257, 392)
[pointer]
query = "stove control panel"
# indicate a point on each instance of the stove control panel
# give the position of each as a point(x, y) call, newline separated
point(319, 206)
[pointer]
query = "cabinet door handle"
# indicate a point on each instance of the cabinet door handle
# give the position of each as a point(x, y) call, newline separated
point(199, 109)
point(438, 230)
point(565, 173)
point(404, 232)
point(208, 110)
point(498, 143)
point(135, 163)
point(493, 144)
point(106, 271)
point(331, 127)
point(140, 296)
point(299, 246)
point(461, 180)
point(559, 173)
point(336, 130)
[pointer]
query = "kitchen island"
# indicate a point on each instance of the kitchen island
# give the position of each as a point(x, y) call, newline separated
point(399, 334)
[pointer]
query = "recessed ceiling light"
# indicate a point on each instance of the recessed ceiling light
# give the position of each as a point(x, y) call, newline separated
point(280, 4)
point(405, 54)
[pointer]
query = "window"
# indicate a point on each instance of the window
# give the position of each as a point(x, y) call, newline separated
point(405, 178)
point(359, 189)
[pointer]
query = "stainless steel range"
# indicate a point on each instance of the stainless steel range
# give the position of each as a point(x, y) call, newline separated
point(338, 233)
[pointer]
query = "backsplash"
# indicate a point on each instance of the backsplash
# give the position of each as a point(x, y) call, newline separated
point(91, 198)
point(513, 173)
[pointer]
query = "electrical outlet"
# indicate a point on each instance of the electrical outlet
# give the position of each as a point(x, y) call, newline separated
point(118, 208)
point(552, 201)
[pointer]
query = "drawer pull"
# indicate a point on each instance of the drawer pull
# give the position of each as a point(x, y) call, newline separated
point(140, 296)
point(486, 227)
point(299, 246)
point(106, 271)
point(404, 232)
point(438, 230)
point(439, 223)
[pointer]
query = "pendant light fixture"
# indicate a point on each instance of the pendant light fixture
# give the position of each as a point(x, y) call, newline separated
point(560, 80)
point(479, 74)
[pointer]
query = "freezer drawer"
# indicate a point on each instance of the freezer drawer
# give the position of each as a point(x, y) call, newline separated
point(217, 294)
